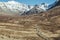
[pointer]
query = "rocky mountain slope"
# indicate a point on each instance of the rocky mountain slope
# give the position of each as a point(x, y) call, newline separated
point(37, 9)
point(43, 26)
point(16, 8)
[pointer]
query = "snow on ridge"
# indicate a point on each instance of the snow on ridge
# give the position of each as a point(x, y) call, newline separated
point(13, 6)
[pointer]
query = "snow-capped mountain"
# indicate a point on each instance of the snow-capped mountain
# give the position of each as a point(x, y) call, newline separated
point(14, 7)
point(37, 9)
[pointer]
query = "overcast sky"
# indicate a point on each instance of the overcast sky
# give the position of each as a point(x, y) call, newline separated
point(33, 2)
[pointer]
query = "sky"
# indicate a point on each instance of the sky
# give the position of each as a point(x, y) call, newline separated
point(32, 2)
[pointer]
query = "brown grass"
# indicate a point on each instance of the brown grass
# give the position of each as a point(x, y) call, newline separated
point(18, 27)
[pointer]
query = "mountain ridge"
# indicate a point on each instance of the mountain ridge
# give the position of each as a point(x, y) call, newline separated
point(19, 8)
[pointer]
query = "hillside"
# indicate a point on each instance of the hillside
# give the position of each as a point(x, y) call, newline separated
point(43, 26)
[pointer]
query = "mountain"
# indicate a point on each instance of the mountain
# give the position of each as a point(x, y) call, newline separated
point(17, 8)
point(37, 9)
point(14, 7)
point(43, 7)
point(42, 26)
